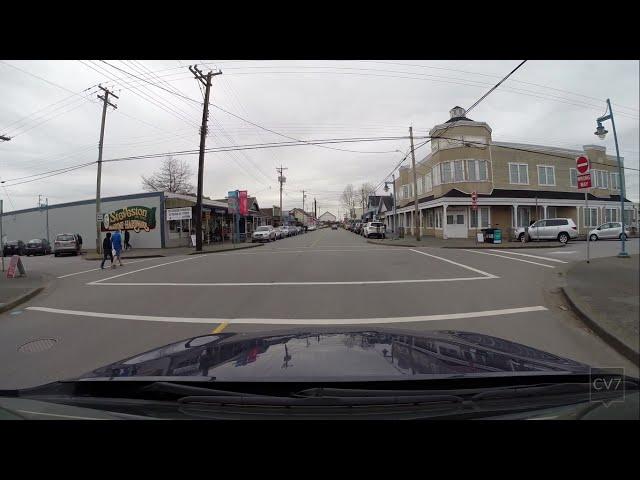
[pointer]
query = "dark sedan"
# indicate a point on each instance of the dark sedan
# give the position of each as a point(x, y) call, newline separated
point(13, 247)
point(38, 246)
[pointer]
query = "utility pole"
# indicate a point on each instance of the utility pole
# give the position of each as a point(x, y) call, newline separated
point(105, 102)
point(206, 81)
point(315, 208)
point(1, 237)
point(416, 213)
point(45, 205)
point(281, 180)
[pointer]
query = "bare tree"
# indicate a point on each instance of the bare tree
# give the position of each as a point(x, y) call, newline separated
point(173, 176)
point(363, 193)
point(348, 199)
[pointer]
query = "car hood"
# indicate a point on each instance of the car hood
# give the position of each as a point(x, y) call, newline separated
point(378, 354)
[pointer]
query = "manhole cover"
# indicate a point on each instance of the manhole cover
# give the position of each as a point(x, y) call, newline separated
point(36, 346)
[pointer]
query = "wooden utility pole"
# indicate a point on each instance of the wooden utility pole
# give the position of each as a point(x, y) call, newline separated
point(206, 81)
point(281, 180)
point(416, 212)
point(105, 102)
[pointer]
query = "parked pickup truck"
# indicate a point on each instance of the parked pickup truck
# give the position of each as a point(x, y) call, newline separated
point(374, 229)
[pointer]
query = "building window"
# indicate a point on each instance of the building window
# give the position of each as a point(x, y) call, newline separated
point(615, 181)
point(610, 214)
point(628, 217)
point(546, 175)
point(430, 218)
point(420, 185)
point(590, 217)
point(573, 177)
point(600, 179)
point(552, 212)
point(519, 173)
point(477, 170)
point(436, 175)
point(458, 171)
point(428, 184)
point(405, 191)
point(446, 172)
point(438, 218)
point(524, 216)
point(484, 218)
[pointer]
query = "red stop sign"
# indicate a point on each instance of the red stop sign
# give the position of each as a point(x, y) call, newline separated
point(582, 164)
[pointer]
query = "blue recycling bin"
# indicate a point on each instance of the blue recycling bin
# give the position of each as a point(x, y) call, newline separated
point(497, 235)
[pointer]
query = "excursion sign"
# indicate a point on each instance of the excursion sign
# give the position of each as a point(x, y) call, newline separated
point(134, 218)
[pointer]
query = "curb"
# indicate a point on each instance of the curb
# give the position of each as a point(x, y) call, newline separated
point(608, 337)
point(21, 299)
point(226, 249)
point(511, 247)
point(373, 242)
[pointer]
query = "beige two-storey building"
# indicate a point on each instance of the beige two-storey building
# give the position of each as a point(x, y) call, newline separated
point(515, 184)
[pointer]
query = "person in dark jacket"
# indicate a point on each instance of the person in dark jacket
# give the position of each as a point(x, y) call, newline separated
point(79, 241)
point(127, 236)
point(106, 250)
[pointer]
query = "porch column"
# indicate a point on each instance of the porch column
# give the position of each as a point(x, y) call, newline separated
point(544, 211)
point(444, 221)
point(514, 218)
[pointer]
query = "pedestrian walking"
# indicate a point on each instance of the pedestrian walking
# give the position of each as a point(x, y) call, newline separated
point(106, 250)
point(116, 241)
point(79, 239)
point(127, 237)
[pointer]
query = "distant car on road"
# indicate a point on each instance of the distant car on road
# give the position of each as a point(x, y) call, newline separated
point(311, 228)
point(265, 233)
point(13, 247)
point(373, 229)
point(560, 229)
point(609, 230)
point(38, 246)
point(334, 226)
point(65, 243)
point(280, 233)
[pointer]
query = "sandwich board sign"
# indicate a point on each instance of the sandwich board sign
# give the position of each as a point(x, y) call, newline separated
point(15, 264)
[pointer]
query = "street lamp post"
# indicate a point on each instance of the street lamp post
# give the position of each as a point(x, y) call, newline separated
point(601, 133)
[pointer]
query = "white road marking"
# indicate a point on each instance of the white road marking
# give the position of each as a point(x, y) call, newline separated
point(487, 275)
point(295, 321)
point(510, 258)
point(191, 257)
point(59, 416)
point(96, 269)
point(280, 284)
point(562, 253)
point(530, 256)
point(365, 250)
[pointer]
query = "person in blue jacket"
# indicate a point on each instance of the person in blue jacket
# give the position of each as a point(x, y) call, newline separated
point(116, 241)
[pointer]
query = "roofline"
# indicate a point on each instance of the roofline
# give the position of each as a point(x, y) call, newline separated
point(87, 202)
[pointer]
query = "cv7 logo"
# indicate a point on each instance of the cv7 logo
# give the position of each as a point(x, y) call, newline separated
point(606, 380)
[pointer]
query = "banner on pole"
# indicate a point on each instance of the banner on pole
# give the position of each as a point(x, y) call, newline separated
point(233, 202)
point(243, 206)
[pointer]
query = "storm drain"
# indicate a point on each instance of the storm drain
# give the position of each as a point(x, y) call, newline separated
point(36, 346)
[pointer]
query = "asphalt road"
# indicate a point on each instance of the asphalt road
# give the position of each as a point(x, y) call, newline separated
point(324, 279)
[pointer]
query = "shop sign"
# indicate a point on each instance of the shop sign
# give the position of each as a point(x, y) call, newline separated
point(134, 218)
point(182, 213)
point(233, 201)
point(243, 202)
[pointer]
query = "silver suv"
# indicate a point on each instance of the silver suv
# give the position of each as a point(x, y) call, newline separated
point(560, 229)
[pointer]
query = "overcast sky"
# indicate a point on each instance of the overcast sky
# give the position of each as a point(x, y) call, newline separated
point(545, 102)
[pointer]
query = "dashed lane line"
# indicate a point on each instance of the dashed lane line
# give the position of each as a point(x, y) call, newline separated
point(295, 321)
point(510, 258)
point(530, 256)
point(96, 282)
point(96, 269)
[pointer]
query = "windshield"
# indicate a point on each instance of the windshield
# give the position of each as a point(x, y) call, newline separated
point(362, 220)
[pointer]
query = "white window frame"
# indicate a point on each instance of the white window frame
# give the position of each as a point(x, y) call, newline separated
point(438, 218)
point(473, 165)
point(555, 210)
point(453, 171)
point(436, 174)
point(584, 217)
point(405, 191)
point(615, 175)
point(518, 165)
point(428, 182)
point(442, 170)
point(478, 213)
point(571, 184)
point(420, 186)
point(553, 169)
point(611, 218)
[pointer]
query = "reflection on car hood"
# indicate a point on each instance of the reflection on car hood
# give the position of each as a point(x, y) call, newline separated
point(365, 355)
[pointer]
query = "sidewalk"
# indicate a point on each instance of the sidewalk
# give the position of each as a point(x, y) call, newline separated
point(604, 293)
point(169, 252)
point(14, 291)
point(459, 243)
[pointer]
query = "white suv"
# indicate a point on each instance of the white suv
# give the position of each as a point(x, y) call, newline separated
point(560, 229)
point(374, 229)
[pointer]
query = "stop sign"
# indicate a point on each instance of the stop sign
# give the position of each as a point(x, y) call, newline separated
point(582, 164)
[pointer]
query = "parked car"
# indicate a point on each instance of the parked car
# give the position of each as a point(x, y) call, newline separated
point(38, 246)
point(265, 233)
point(13, 247)
point(334, 226)
point(311, 228)
point(560, 229)
point(374, 229)
point(279, 233)
point(66, 243)
point(300, 229)
point(609, 230)
point(357, 229)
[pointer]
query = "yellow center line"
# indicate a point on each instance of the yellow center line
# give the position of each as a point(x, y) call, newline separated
point(220, 327)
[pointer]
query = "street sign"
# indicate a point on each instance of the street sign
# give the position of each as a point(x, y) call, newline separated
point(183, 213)
point(474, 200)
point(584, 181)
point(582, 164)
point(99, 217)
point(15, 264)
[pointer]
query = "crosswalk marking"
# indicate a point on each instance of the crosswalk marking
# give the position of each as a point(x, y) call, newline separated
point(510, 258)
point(531, 256)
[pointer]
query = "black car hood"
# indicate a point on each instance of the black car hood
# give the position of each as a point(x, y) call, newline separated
point(378, 354)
